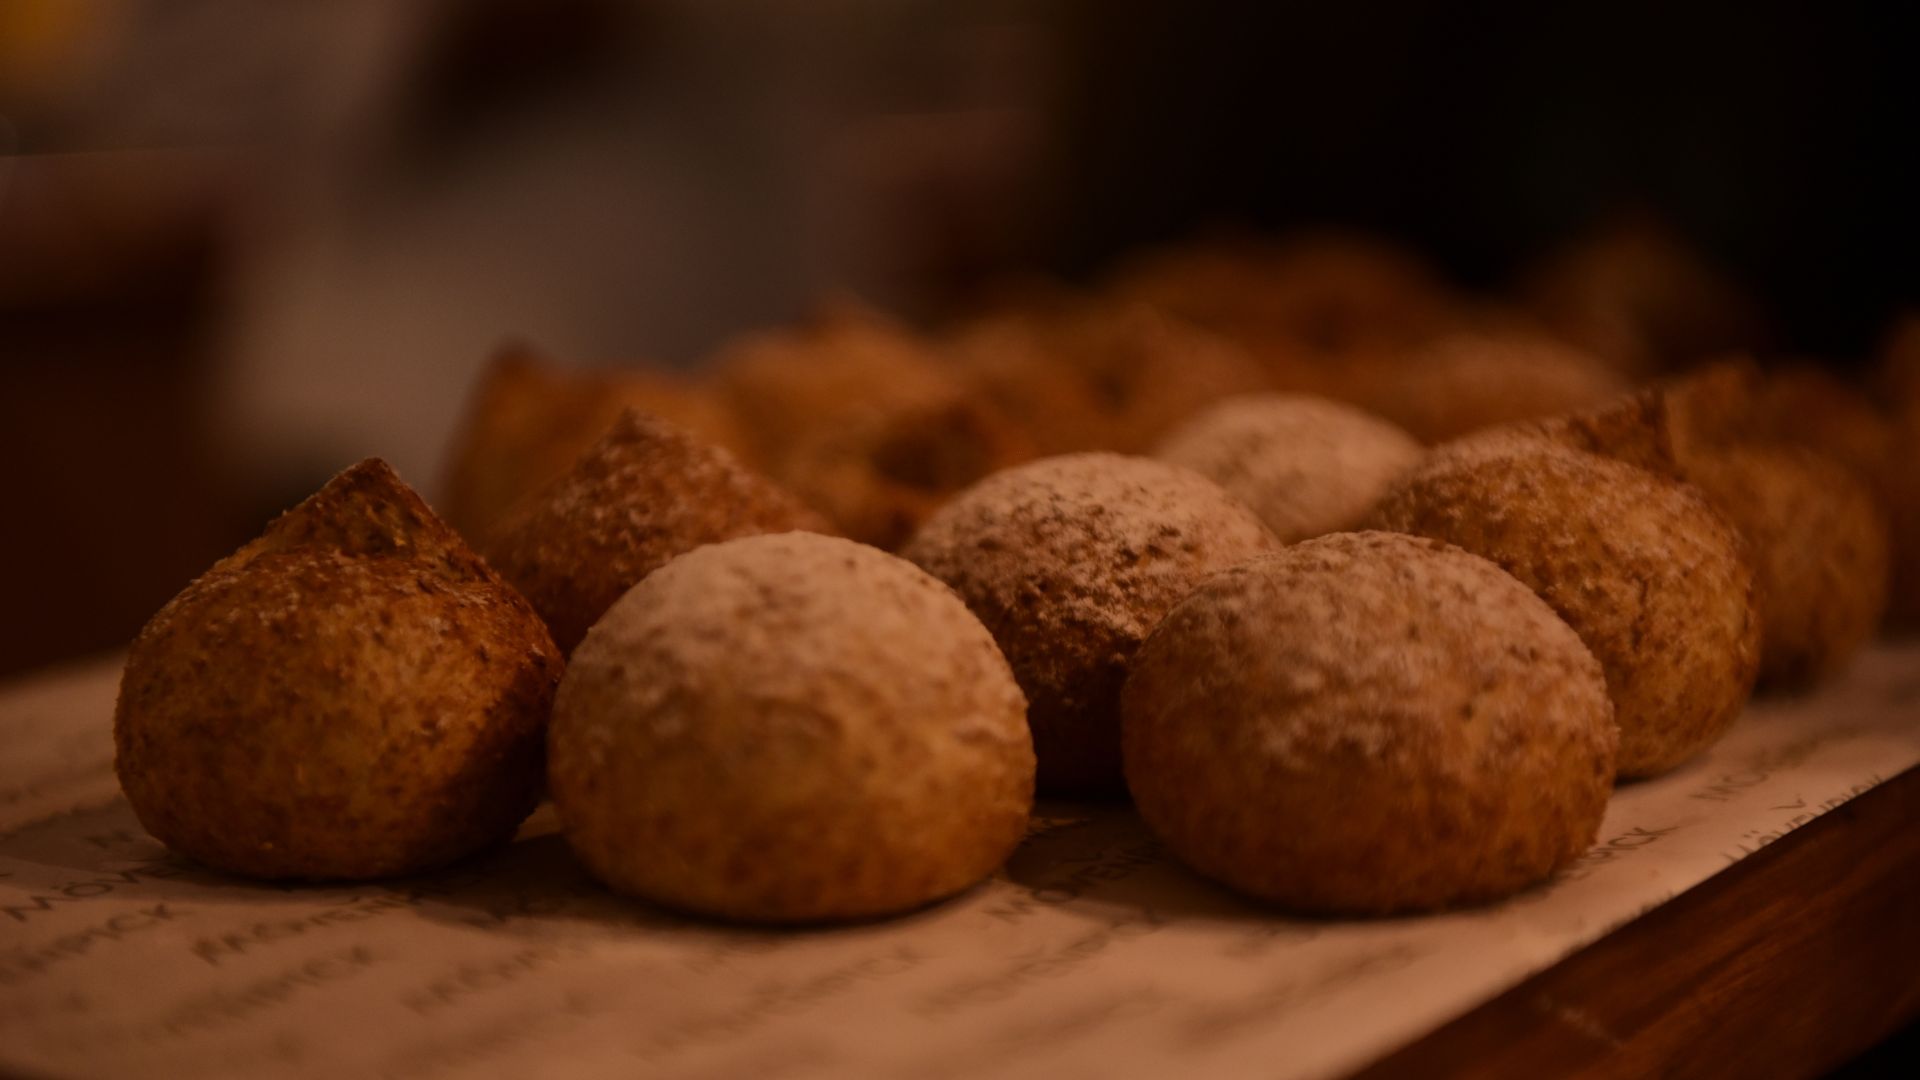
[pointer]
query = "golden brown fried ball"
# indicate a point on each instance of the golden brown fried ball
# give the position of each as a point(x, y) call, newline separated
point(1369, 723)
point(352, 695)
point(1463, 382)
point(1101, 376)
point(1307, 466)
point(1814, 528)
point(647, 491)
point(1070, 561)
point(1818, 542)
point(1653, 580)
point(864, 421)
point(529, 420)
point(790, 728)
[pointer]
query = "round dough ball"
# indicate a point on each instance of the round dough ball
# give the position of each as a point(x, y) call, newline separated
point(790, 728)
point(1369, 723)
point(1070, 562)
point(646, 492)
point(1305, 465)
point(353, 695)
point(1653, 580)
point(1819, 547)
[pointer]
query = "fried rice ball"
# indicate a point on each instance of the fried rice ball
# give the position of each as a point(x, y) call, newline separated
point(647, 491)
point(864, 421)
point(1100, 376)
point(1463, 382)
point(1307, 466)
point(352, 695)
point(529, 420)
point(1070, 561)
point(1369, 723)
point(1652, 579)
point(790, 728)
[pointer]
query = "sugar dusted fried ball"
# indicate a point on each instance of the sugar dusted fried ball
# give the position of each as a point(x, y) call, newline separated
point(647, 491)
point(352, 695)
point(1369, 723)
point(1819, 546)
point(1307, 466)
point(790, 728)
point(864, 421)
point(1070, 561)
point(529, 420)
point(1654, 581)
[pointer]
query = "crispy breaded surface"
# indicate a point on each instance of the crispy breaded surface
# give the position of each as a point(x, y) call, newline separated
point(1369, 723)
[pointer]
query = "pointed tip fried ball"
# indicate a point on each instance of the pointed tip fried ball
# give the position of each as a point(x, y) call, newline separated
point(1654, 581)
point(1369, 723)
point(647, 491)
point(352, 695)
point(791, 728)
point(1070, 561)
point(529, 419)
point(1307, 466)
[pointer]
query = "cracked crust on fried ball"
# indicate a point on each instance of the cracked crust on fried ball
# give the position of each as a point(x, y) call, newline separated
point(791, 728)
point(1369, 723)
point(352, 695)
point(1070, 562)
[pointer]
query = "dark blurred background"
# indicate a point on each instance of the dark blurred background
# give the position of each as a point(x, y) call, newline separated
point(242, 245)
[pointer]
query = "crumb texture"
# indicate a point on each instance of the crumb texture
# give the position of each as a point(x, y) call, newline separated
point(353, 695)
point(1655, 582)
point(1070, 562)
point(1369, 723)
point(647, 491)
point(791, 728)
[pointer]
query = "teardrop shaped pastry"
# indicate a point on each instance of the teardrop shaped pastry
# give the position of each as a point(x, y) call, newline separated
point(354, 694)
point(647, 491)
